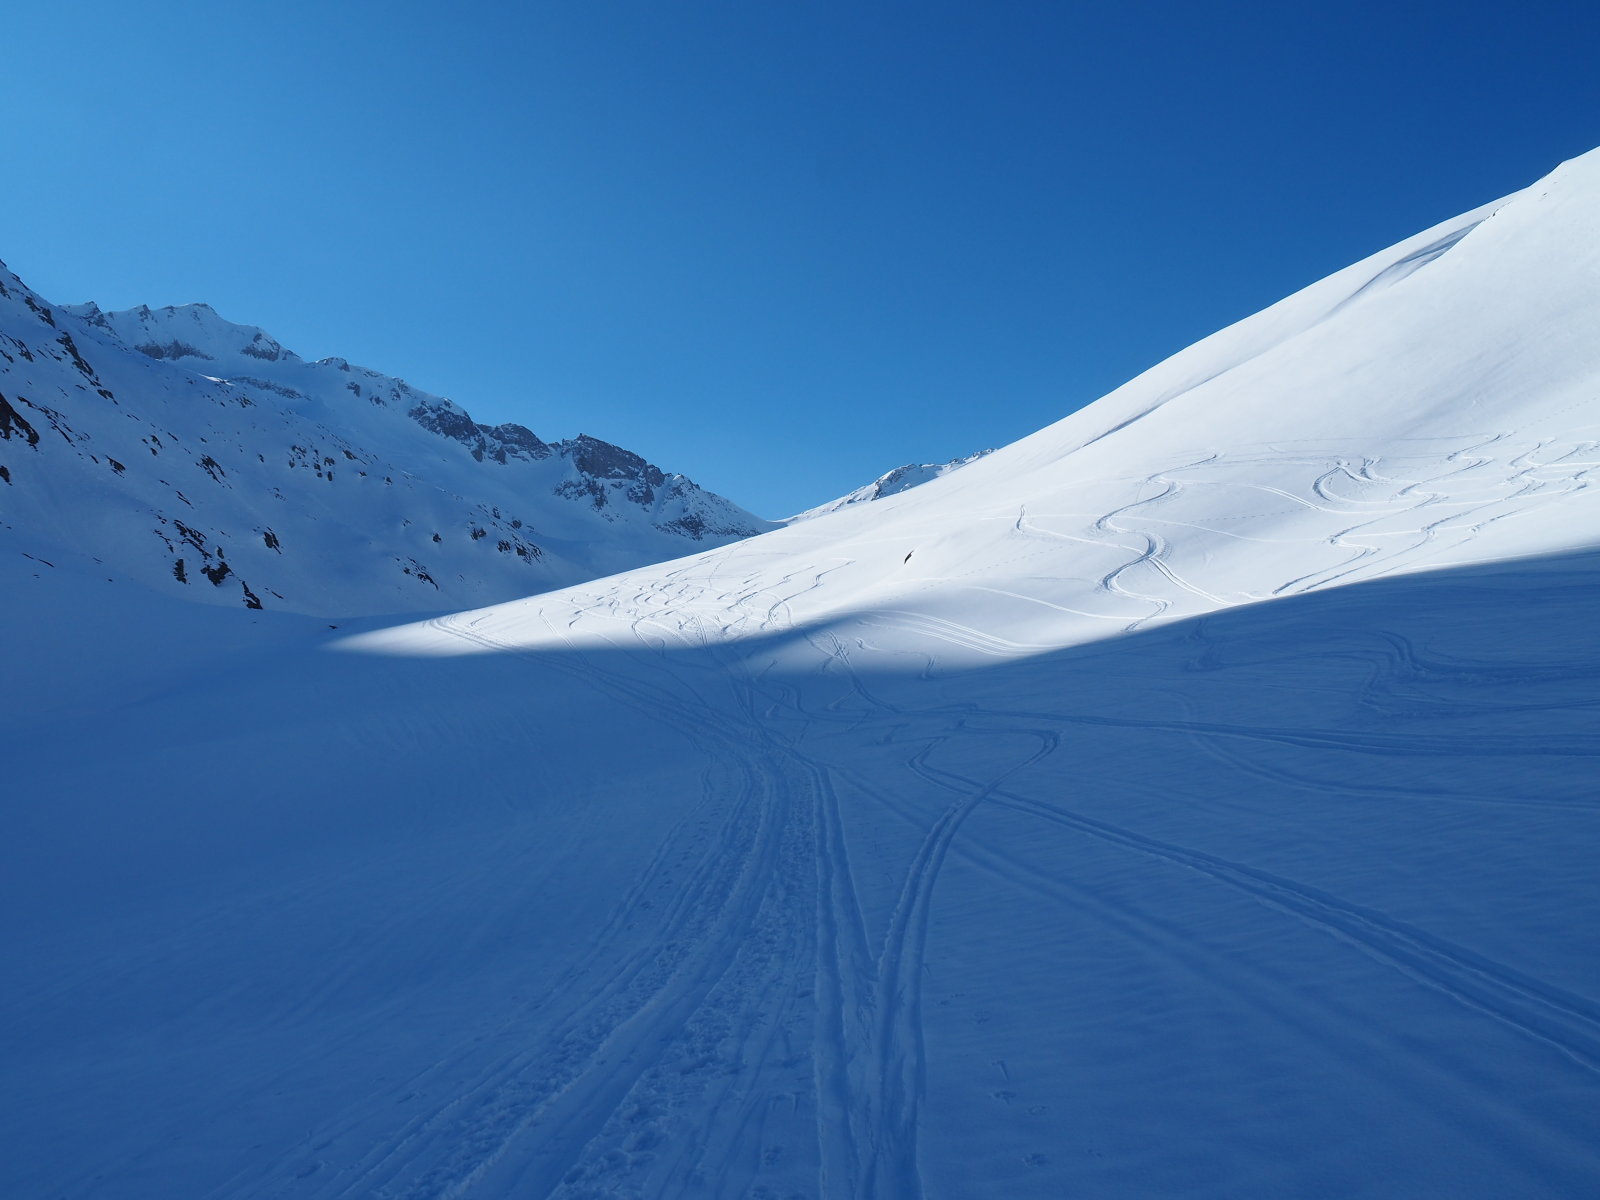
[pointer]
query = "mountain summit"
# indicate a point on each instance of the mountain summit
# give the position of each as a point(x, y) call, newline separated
point(890, 483)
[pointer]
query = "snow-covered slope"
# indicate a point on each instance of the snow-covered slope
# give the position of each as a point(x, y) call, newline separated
point(1433, 405)
point(175, 448)
point(891, 483)
point(1195, 799)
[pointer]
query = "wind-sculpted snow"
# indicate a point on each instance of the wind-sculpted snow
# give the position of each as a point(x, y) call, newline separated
point(206, 459)
point(1196, 799)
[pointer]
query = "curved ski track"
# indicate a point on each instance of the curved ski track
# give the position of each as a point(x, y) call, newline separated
point(742, 953)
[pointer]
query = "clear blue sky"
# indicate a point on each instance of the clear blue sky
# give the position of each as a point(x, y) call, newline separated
point(779, 246)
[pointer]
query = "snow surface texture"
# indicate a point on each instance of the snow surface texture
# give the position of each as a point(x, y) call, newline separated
point(1194, 799)
point(175, 448)
point(901, 479)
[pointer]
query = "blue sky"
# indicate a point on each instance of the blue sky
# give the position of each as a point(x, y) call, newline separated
point(781, 247)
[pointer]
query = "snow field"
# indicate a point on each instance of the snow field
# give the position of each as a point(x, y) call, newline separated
point(1205, 808)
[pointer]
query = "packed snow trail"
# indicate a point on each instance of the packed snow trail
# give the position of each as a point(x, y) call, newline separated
point(1195, 799)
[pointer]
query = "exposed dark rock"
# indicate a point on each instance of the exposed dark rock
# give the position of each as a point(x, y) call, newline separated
point(514, 441)
point(91, 313)
point(11, 419)
point(43, 311)
point(172, 350)
point(690, 524)
point(576, 489)
point(193, 536)
point(56, 420)
point(605, 461)
point(271, 385)
point(71, 348)
point(261, 346)
point(450, 423)
point(414, 568)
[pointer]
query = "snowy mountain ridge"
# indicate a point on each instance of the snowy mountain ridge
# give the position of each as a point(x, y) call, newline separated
point(890, 483)
point(203, 457)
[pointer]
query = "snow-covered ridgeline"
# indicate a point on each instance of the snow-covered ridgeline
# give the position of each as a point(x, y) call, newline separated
point(891, 483)
point(179, 449)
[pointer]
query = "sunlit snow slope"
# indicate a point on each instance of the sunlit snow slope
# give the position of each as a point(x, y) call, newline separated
point(1195, 799)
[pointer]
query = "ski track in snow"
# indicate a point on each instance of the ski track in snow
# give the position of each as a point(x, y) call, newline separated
point(601, 1078)
point(781, 839)
point(743, 955)
point(774, 887)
